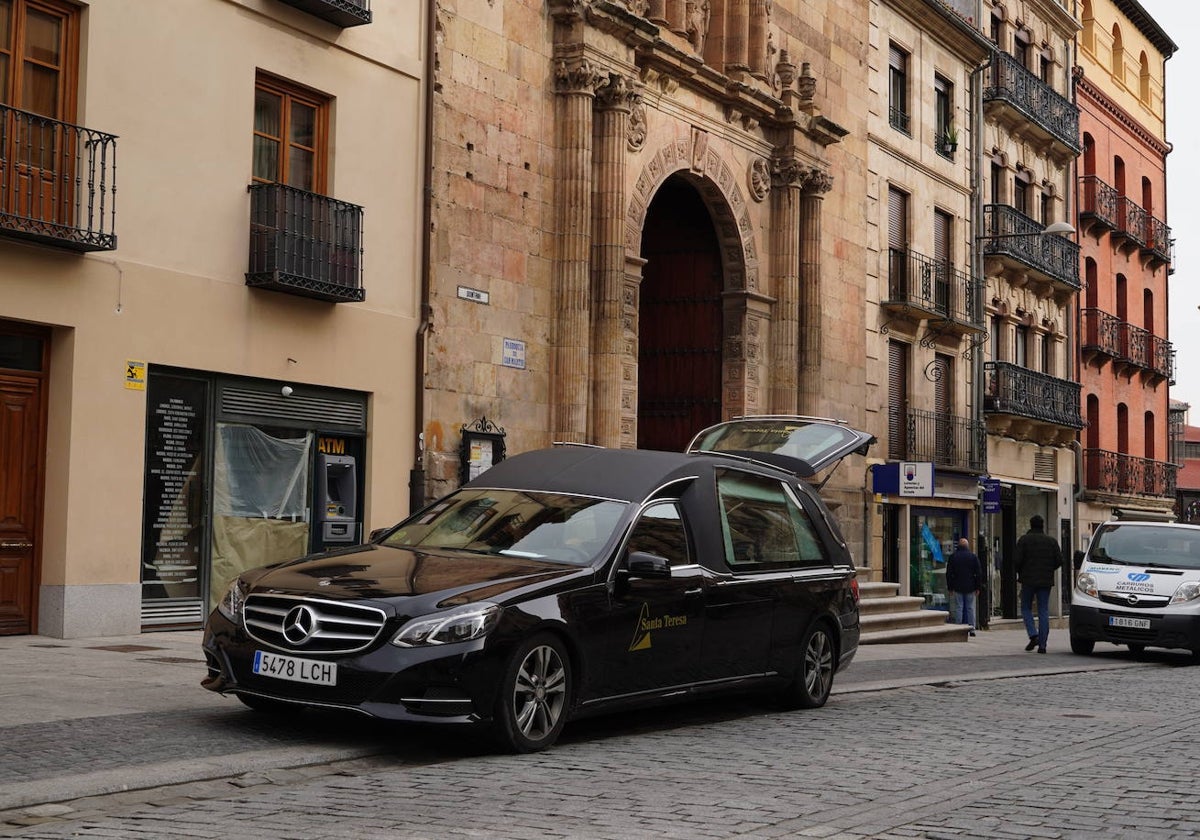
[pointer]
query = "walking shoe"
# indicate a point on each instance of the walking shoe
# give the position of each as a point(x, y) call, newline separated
point(1032, 643)
point(970, 632)
point(1041, 650)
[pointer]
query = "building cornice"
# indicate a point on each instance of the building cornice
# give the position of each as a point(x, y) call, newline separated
point(1085, 87)
point(1147, 25)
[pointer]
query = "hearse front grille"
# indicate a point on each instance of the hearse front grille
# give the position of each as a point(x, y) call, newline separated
point(311, 625)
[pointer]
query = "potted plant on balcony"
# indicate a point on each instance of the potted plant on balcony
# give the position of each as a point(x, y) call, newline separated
point(949, 139)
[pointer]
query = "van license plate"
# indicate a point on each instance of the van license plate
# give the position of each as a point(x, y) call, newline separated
point(1135, 623)
point(294, 668)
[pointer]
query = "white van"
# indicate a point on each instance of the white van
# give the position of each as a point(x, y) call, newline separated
point(1138, 584)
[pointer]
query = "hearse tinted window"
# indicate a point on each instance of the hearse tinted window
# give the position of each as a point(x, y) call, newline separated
point(763, 526)
point(660, 531)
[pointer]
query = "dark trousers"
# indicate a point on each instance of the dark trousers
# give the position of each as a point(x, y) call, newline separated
point(1042, 630)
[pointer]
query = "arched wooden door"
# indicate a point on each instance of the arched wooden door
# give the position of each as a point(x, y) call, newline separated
point(679, 320)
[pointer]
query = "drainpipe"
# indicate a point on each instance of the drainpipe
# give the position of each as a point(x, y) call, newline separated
point(416, 476)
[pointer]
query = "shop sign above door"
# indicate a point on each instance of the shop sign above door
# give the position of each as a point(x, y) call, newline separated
point(903, 478)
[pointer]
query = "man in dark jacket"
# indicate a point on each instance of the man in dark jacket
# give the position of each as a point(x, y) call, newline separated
point(1037, 559)
point(964, 579)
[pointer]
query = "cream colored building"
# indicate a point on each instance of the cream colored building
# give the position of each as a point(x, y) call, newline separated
point(925, 306)
point(648, 218)
point(209, 296)
point(1029, 143)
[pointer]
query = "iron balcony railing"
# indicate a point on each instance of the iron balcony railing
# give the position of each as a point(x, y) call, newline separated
point(1099, 332)
point(1133, 345)
point(944, 146)
point(1097, 202)
point(343, 13)
point(939, 291)
point(58, 182)
point(1116, 472)
point(305, 244)
point(1021, 392)
point(1131, 221)
point(1158, 241)
point(1014, 85)
point(898, 118)
point(1007, 232)
point(947, 441)
point(1162, 358)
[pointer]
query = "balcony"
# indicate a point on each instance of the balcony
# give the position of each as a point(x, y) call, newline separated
point(1162, 360)
point(1157, 248)
point(1030, 109)
point(1014, 246)
point(1126, 475)
point(343, 13)
point(1097, 205)
point(1030, 405)
point(898, 119)
point(923, 288)
point(305, 244)
point(58, 183)
point(944, 146)
point(949, 442)
point(1099, 338)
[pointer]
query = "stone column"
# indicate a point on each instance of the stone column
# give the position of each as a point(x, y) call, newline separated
point(575, 83)
point(814, 183)
point(785, 286)
point(614, 100)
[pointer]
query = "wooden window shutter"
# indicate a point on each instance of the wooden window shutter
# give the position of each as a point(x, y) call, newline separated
point(897, 219)
point(897, 399)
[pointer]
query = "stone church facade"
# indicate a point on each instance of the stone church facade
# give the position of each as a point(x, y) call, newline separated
point(646, 217)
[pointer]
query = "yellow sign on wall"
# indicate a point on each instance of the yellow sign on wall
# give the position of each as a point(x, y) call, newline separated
point(135, 375)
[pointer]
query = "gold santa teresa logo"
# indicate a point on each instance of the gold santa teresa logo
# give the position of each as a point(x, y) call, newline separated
point(641, 635)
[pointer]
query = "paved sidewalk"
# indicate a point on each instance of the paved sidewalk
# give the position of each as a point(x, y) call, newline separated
point(88, 717)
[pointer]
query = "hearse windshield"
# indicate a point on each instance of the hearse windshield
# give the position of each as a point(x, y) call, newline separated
point(514, 523)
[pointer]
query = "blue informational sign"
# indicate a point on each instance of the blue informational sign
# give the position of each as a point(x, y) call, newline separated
point(935, 547)
point(991, 494)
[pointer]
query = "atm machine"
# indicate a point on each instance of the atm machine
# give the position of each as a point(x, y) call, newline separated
point(335, 502)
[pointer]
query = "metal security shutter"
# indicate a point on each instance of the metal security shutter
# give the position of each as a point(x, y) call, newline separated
point(307, 408)
point(897, 400)
point(897, 219)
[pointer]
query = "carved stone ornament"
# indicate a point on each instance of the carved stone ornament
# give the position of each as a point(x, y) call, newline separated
point(580, 76)
point(816, 181)
point(618, 93)
point(786, 172)
point(636, 137)
point(758, 179)
point(697, 14)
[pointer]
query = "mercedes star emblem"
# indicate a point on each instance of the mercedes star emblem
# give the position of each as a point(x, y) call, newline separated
point(299, 625)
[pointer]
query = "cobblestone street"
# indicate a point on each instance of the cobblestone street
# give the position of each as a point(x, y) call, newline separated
point(1099, 753)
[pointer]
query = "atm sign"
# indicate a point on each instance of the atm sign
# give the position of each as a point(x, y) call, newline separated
point(331, 446)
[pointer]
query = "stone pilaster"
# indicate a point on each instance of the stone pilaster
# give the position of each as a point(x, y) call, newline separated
point(785, 286)
point(575, 81)
point(614, 100)
point(814, 184)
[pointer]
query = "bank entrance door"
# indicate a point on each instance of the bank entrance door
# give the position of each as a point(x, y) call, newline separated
point(23, 354)
point(679, 320)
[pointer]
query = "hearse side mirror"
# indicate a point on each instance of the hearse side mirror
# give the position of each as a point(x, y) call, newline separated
point(647, 565)
point(1079, 555)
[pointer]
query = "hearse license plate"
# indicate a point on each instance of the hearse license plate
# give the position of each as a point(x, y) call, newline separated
point(1135, 623)
point(295, 669)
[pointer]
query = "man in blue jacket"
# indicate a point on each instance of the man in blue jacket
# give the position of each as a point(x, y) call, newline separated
point(964, 579)
point(1037, 558)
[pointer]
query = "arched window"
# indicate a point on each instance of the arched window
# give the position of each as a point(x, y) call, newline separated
point(1144, 79)
point(1122, 300)
point(1151, 443)
point(1089, 154)
point(1118, 54)
point(1091, 293)
point(1148, 311)
point(1147, 196)
point(1092, 435)
point(1122, 428)
point(1089, 27)
point(1119, 175)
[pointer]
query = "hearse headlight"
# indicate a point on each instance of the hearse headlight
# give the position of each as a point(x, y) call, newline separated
point(235, 598)
point(1085, 582)
point(461, 624)
point(1189, 591)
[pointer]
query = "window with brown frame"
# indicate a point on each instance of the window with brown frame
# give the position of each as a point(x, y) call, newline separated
point(291, 134)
